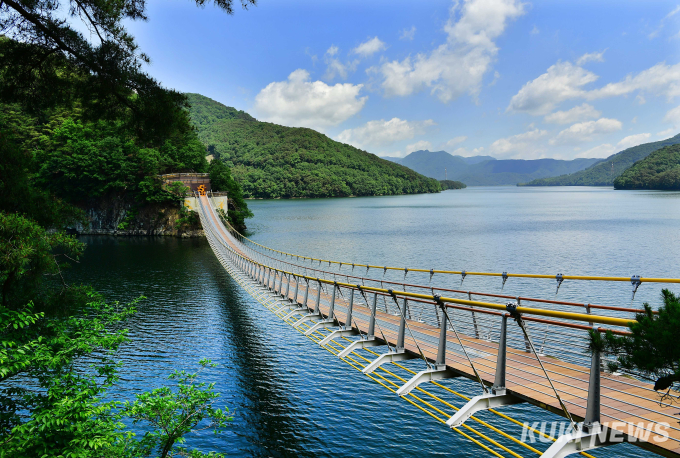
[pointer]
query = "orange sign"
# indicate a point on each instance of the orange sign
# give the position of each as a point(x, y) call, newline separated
point(201, 190)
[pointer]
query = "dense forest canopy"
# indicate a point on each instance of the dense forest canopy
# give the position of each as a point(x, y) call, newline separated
point(80, 120)
point(451, 184)
point(660, 170)
point(604, 172)
point(272, 161)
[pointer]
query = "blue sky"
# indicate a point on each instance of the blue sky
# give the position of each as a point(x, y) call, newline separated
point(505, 78)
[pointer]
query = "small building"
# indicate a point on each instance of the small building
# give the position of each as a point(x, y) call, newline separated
point(193, 181)
point(190, 180)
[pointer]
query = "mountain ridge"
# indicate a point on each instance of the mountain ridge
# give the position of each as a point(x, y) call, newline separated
point(604, 172)
point(273, 161)
point(487, 170)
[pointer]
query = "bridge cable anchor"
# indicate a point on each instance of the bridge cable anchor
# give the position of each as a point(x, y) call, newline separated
point(560, 279)
point(636, 282)
point(505, 278)
point(462, 277)
point(431, 274)
point(405, 272)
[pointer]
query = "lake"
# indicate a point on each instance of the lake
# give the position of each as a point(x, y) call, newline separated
point(294, 399)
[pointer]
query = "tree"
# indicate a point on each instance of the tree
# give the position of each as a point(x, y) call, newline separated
point(653, 348)
point(108, 68)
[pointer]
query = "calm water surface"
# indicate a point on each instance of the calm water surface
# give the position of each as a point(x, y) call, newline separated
point(293, 398)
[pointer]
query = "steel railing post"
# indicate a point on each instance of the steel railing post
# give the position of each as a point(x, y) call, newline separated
point(348, 320)
point(318, 297)
point(332, 307)
point(371, 320)
point(402, 327)
point(501, 359)
point(592, 419)
point(441, 350)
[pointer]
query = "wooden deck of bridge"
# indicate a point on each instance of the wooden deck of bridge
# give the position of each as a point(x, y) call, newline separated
point(624, 400)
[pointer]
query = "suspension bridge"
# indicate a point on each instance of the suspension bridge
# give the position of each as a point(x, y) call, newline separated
point(410, 338)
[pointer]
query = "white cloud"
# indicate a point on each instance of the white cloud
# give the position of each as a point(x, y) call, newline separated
point(667, 133)
point(334, 67)
point(586, 131)
point(467, 153)
point(660, 79)
point(300, 102)
point(561, 82)
point(524, 144)
point(632, 140)
point(383, 133)
point(417, 146)
point(535, 31)
point(459, 65)
point(576, 114)
point(673, 116)
point(369, 47)
point(656, 32)
point(408, 34)
point(591, 57)
point(455, 141)
point(601, 151)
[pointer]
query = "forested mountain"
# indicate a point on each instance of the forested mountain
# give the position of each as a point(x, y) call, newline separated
point(272, 161)
point(604, 172)
point(487, 171)
point(659, 170)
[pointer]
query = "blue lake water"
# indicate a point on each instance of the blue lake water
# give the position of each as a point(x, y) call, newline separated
point(293, 398)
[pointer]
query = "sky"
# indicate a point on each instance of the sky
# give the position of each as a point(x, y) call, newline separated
point(505, 78)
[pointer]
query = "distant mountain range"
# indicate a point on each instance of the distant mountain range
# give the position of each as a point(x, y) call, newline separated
point(486, 170)
point(605, 172)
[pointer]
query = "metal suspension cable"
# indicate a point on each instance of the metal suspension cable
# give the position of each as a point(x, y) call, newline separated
point(520, 322)
point(479, 379)
point(408, 326)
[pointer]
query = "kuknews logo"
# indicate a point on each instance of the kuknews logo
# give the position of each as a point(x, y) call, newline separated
point(613, 432)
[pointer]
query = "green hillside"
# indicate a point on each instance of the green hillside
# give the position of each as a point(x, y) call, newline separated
point(660, 170)
point(451, 184)
point(272, 161)
point(604, 172)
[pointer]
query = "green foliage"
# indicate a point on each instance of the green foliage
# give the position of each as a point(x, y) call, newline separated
point(272, 161)
point(174, 413)
point(28, 253)
point(659, 170)
point(602, 173)
point(62, 412)
point(450, 184)
point(653, 348)
point(80, 161)
point(188, 219)
point(221, 181)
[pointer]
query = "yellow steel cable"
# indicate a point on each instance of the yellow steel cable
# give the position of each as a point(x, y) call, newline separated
point(460, 272)
point(613, 321)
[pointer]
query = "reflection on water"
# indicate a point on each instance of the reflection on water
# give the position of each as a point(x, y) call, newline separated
point(295, 399)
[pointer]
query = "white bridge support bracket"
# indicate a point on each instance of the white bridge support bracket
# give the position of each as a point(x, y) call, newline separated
point(343, 331)
point(308, 317)
point(576, 442)
point(293, 312)
point(485, 401)
point(428, 375)
point(319, 324)
point(399, 355)
point(357, 344)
